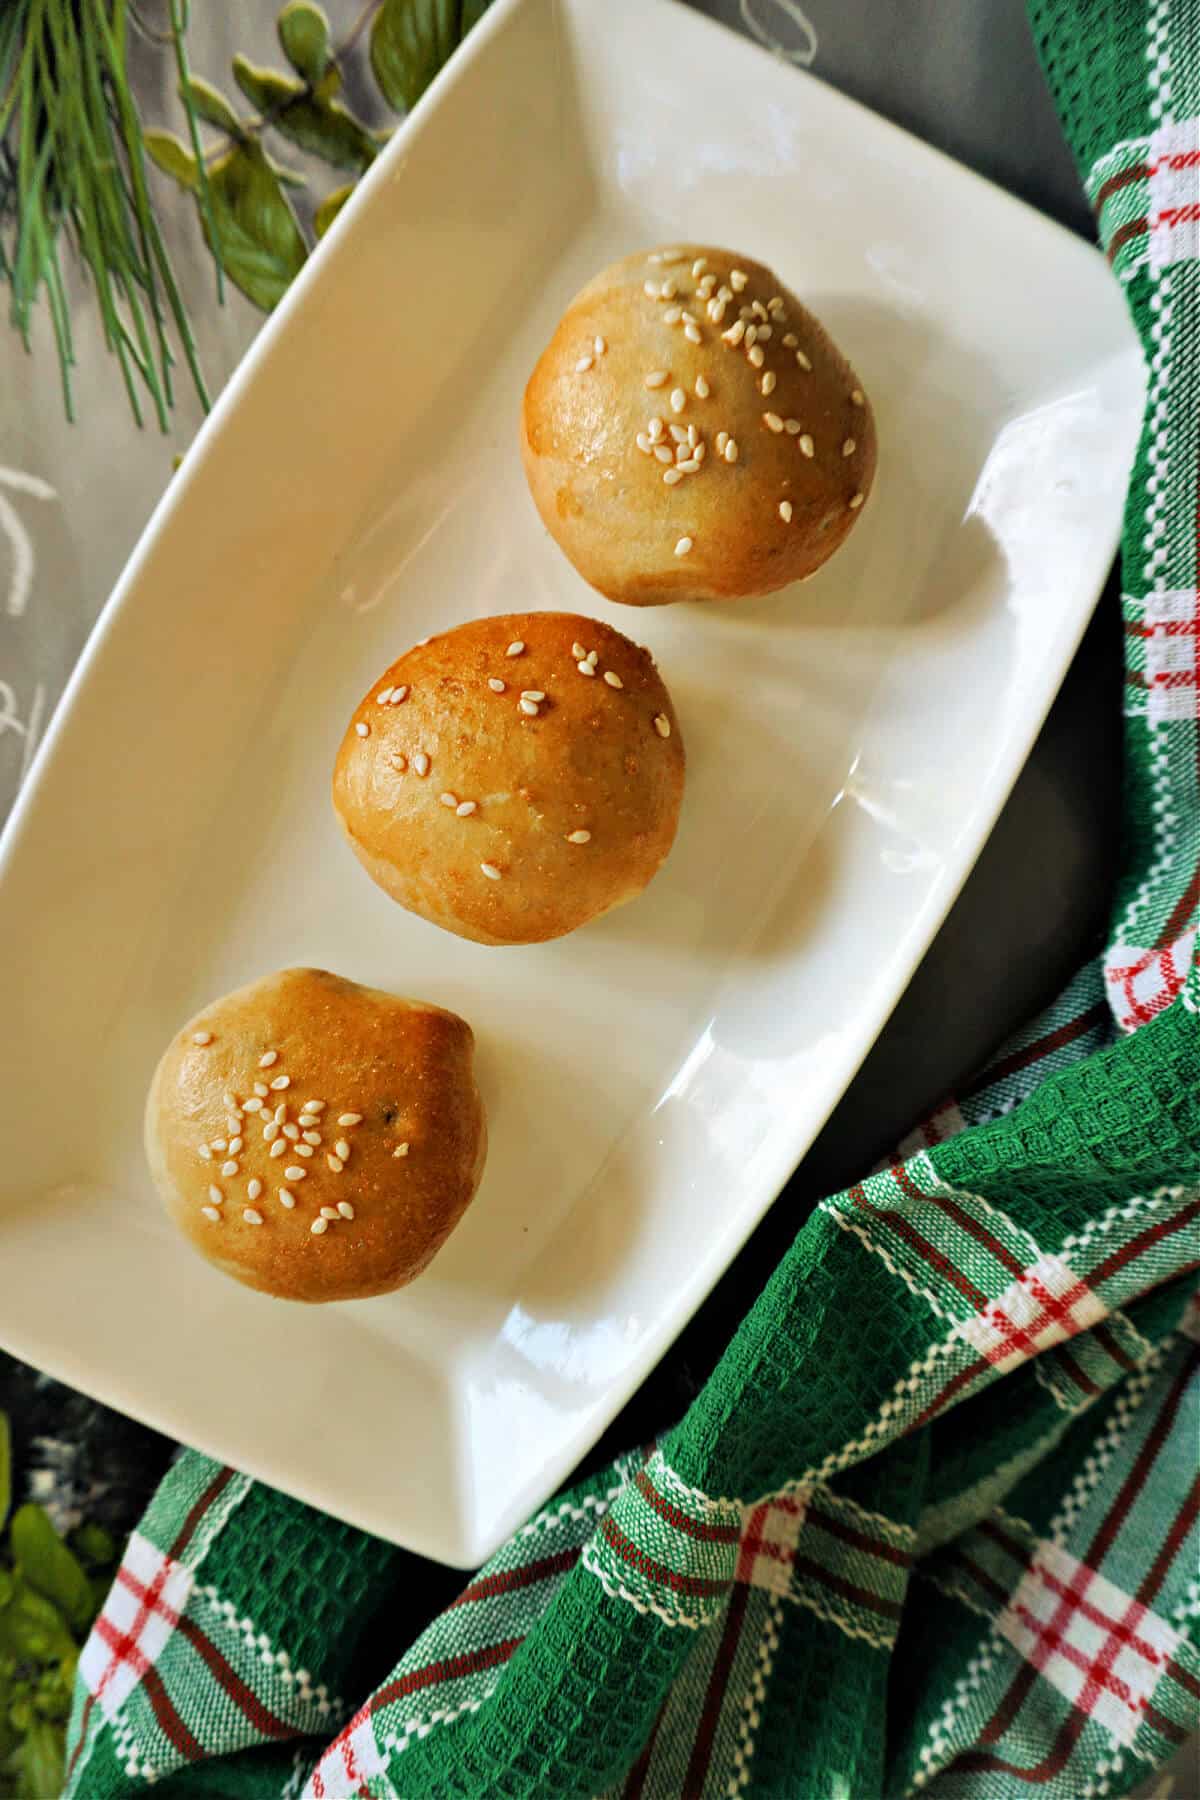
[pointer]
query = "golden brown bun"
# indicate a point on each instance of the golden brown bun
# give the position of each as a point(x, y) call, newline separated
point(589, 757)
point(604, 499)
point(401, 1065)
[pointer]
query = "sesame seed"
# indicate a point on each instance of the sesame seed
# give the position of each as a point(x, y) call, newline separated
point(856, 501)
point(662, 725)
point(318, 1226)
point(585, 667)
point(757, 356)
point(534, 694)
point(234, 1125)
point(578, 652)
point(758, 309)
point(335, 1163)
point(268, 1058)
point(450, 800)
point(700, 452)
point(751, 335)
point(593, 656)
point(806, 444)
point(210, 1212)
point(599, 345)
point(229, 1167)
point(465, 808)
point(496, 685)
point(420, 763)
point(270, 1132)
point(279, 1146)
point(312, 1137)
point(702, 388)
point(722, 440)
point(399, 694)
point(230, 1100)
point(308, 1120)
point(529, 708)
point(682, 451)
point(679, 433)
point(202, 1037)
point(400, 1150)
point(643, 443)
point(724, 293)
point(671, 476)
point(583, 365)
point(292, 1133)
point(261, 1089)
point(692, 436)
point(856, 396)
point(767, 383)
point(775, 303)
point(683, 545)
point(345, 1209)
point(654, 430)
point(663, 454)
point(490, 870)
point(286, 1198)
point(579, 837)
point(672, 315)
point(688, 467)
point(252, 1215)
point(650, 289)
point(280, 1082)
point(692, 333)
point(281, 1112)
point(516, 648)
point(329, 1212)
point(383, 696)
point(738, 279)
point(216, 1195)
point(790, 340)
point(254, 1187)
point(362, 728)
point(667, 291)
point(736, 333)
point(678, 399)
point(803, 360)
point(716, 311)
point(219, 1144)
point(253, 1105)
point(698, 268)
point(744, 312)
point(785, 511)
point(295, 1173)
point(730, 451)
point(656, 378)
point(399, 763)
point(772, 421)
point(791, 426)
point(205, 1153)
point(706, 286)
point(849, 447)
point(613, 679)
point(314, 1106)
point(764, 334)
point(342, 1149)
point(304, 1149)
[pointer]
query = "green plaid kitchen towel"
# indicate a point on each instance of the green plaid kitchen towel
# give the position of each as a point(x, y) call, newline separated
point(932, 1526)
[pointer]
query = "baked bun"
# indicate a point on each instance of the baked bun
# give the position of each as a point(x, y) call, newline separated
point(513, 778)
point(374, 1103)
point(694, 342)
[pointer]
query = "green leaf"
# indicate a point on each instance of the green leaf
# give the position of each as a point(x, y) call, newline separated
point(410, 40)
point(329, 209)
point(33, 1629)
point(41, 1767)
point(323, 127)
point(258, 239)
point(304, 34)
point(49, 1566)
point(94, 1546)
point(5, 1468)
point(472, 12)
point(172, 158)
point(212, 105)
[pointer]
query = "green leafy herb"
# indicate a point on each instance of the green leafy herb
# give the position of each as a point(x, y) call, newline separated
point(50, 1592)
point(308, 118)
point(304, 38)
point(410, 40)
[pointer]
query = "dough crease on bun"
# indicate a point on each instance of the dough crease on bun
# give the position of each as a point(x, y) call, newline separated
point(513, 778)
point(315, 1139)
point(692, 432)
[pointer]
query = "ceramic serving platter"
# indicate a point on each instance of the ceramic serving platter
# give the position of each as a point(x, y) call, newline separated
point(651, 1080)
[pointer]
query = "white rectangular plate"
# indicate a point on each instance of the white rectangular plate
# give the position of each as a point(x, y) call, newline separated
point(651, 1080)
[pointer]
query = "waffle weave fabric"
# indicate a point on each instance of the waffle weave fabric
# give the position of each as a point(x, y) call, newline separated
point(933, 1526)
